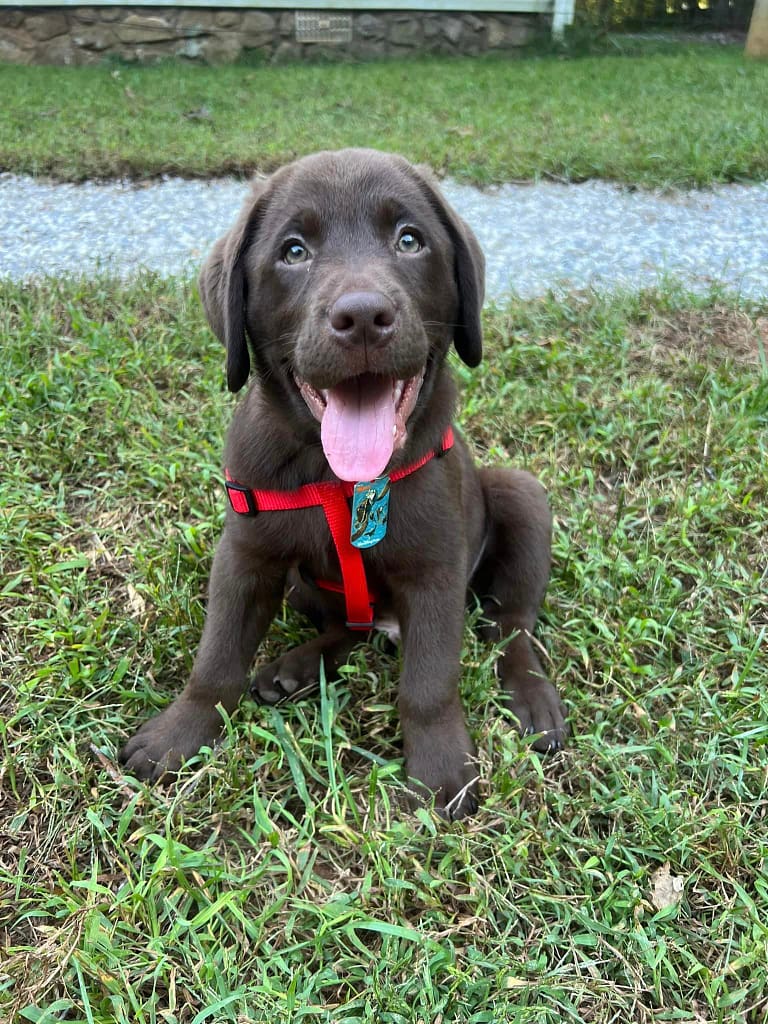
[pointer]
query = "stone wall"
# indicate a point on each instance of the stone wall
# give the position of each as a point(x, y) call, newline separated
point(87, 35)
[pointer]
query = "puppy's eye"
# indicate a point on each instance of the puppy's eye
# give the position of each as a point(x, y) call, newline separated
point(408, 241)
point(295, 252)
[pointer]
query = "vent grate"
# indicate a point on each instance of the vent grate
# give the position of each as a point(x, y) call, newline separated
point(323, 28)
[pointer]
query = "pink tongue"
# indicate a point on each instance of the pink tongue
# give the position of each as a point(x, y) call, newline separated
point(357, 430)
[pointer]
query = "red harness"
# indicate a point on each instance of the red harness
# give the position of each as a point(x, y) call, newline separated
point(333, 497)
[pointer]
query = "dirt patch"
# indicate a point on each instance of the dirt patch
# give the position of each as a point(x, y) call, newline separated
point(712, 336)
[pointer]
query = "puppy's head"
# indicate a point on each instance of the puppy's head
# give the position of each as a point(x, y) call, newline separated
point(350, 276)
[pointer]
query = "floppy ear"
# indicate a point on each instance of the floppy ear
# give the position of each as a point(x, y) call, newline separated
point(223, 286)
point(468, 269)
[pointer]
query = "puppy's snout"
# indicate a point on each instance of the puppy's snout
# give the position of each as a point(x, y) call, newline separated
point(363, 317)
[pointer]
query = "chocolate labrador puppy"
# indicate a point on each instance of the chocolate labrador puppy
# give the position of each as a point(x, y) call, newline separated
point(342, 285)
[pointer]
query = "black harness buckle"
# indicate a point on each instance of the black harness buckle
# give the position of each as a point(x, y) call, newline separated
point(241, 499)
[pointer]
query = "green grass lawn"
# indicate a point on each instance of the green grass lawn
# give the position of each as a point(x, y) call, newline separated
point(688, 115)
point(279, 882)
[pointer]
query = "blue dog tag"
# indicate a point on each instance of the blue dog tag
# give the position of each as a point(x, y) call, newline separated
point(370, 509)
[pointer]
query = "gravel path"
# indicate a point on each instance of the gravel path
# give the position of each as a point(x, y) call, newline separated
point(534, 236)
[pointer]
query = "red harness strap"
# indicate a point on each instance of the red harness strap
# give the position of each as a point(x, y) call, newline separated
point(333, 497)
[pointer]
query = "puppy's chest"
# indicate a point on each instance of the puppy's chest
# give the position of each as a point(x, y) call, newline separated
point(317, 581)
point(388, 625)
point(325, 567)
point(380, 533)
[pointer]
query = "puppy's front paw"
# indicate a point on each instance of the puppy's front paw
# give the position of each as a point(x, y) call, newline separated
point(163, 743)
point(446, 770)
point(540, 712)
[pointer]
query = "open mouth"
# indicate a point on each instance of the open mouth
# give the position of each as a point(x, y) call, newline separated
point(363, 421)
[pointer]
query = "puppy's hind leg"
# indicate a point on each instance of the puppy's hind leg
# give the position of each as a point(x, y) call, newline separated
point(510, 582)
point(297, 672)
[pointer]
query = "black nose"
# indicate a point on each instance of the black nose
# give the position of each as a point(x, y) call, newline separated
point(362, 317)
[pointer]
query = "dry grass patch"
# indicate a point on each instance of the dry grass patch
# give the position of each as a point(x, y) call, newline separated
point(711, 335)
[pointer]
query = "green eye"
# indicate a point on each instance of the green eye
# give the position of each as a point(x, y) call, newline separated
point(295, 253)
point(408, 241)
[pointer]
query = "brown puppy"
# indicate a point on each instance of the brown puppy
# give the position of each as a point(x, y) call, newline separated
point(344, 282)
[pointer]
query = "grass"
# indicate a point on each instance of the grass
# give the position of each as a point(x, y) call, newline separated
point(689, 115)
point(280, 882)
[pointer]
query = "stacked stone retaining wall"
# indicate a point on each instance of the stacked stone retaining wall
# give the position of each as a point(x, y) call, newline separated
point(88, 35)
